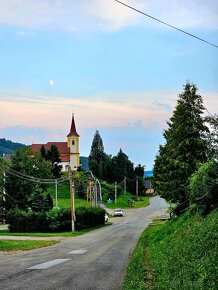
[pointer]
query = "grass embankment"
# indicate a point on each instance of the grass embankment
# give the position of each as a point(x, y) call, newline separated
point(179, 254)
point(64, 199)
point(122, 202)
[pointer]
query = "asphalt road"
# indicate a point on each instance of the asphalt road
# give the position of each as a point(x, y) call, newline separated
point(96, 260)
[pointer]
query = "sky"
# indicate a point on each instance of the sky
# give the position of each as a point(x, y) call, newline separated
point(118, 71)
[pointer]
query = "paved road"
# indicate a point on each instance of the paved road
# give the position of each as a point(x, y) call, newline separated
point(96, 260)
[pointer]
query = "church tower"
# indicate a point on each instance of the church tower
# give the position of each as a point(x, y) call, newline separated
point(73, 145)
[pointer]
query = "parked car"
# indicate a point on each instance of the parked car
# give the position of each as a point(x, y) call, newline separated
point(118, 212)
point(106, 218)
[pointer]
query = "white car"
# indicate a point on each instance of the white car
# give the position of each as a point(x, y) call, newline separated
point(118, 212)
point(106, 218)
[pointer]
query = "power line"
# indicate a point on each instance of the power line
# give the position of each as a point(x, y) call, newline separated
point(165, 23)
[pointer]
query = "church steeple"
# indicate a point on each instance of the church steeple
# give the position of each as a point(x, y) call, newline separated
point(73, 145)
point(73, 131)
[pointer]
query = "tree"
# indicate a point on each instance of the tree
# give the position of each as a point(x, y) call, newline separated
point(97, 156)
point(139, 173)
point(38, 202)
point(97, 148)
point(204, 187)
point(19, 189)
point(53, 156)
point(212, 136)
point(184, 150)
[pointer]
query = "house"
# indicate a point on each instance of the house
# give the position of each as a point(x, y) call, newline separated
point(69, 150)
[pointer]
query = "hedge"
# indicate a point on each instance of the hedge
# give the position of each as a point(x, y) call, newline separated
point(56, 220)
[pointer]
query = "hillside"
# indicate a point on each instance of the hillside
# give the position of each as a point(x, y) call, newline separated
point(177, 254)
point(9, 147)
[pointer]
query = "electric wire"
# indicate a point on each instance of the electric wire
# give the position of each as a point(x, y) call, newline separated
point(165, 23)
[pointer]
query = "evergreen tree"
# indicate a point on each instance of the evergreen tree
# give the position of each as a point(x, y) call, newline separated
point(97, 148)
point(53, 156)
point(120, 166)
point(97, 156)
point(212, 136)
point(184, 150)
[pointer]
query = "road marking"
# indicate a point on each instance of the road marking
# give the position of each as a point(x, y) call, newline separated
point(78, 252)
point(48, 264)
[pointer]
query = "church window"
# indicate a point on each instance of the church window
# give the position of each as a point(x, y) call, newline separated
point(73, 142)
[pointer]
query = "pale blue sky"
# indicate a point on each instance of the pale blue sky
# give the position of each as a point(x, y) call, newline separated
point(119, 72)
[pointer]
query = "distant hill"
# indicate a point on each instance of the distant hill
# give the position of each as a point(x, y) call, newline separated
point(84, 163)
point(148, 173)
point(9, 147)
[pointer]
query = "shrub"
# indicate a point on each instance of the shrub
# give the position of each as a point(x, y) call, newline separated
point(204, 187)
point(22, 221)
point(89, 217)
point(59, 220)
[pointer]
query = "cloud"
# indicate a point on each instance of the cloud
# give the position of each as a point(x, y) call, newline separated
point(86, 15)
point(48, 113)
point(152, 109)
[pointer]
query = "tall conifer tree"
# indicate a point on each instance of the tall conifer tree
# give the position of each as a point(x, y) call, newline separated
point(185, 148)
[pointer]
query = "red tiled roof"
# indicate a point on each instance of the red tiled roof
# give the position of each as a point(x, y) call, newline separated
point(73, 131)
point(61, 146)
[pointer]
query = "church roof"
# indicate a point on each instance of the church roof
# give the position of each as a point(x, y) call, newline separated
point(73, 131)
point(61, 146)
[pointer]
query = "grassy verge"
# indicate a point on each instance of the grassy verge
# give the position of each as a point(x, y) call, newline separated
point(60, 234)
point(178, 254)
point(12, 245)
point(122, 202)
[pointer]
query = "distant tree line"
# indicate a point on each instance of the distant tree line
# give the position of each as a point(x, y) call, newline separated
point(9, 147)
point(115, 168)
point(186, 169)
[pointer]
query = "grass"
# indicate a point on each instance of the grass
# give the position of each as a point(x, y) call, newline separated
point(59, 234)
point(122, 202)
point(13, 245)
point(177, 254)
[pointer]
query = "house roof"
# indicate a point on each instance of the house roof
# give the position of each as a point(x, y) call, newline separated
point(73, 131)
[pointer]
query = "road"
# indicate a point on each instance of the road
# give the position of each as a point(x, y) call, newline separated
point(96, 260)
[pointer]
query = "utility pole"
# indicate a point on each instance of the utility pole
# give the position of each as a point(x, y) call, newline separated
point(137, 186)
point(115, 193)
point(56, 193)
point(90, 192)
point(72, 199)
point(125, 185)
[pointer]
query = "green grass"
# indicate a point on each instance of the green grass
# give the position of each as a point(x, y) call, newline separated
point(13, 245)
point(122, 202)
point(177, 254)
point(59, 234)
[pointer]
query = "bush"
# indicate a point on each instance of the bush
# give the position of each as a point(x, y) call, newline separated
point(22, 221)
point(89, 217)
point(204, 187)
point(59, 220)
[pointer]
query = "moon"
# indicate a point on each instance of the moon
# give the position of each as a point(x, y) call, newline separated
point(51, 83)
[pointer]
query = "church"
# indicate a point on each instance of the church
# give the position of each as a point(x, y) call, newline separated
point(69, 151)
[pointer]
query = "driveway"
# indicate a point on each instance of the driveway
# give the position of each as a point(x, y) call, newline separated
point(97, 260)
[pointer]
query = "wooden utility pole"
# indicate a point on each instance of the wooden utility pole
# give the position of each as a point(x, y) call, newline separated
point(90, 192)
point(115, 193)
point(125, 185)
point(72, 199)
point(137, 186)
point(56, 193)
